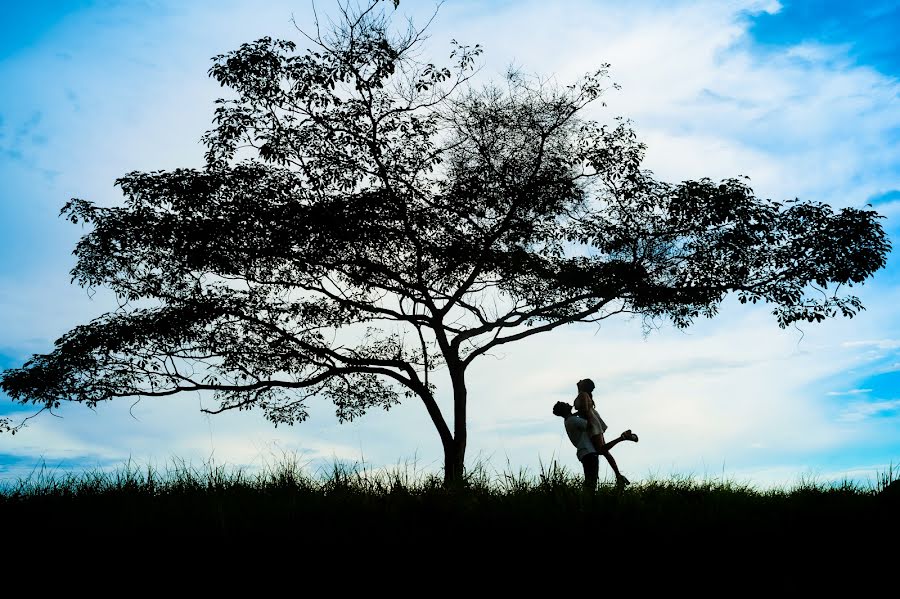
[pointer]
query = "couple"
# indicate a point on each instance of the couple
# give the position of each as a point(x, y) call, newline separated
point(585, 429)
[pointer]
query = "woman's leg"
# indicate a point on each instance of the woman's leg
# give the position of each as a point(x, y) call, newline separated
point(607, 446)
point(603, 449)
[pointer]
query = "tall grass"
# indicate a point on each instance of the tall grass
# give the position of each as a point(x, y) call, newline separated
point(406, 506)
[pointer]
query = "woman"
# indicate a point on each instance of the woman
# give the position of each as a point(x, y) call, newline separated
point(585, 407)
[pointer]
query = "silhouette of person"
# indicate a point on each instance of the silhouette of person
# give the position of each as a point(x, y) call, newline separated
point(585, 407)
point(576, 429)
point(586, 451)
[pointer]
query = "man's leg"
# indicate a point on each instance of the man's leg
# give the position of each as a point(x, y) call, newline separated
point(591, 465)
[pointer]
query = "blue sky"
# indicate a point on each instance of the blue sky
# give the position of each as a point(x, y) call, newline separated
point(803, 97)
point(868, 30)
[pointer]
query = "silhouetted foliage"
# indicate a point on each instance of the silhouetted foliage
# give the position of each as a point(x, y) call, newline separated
point(365, 218)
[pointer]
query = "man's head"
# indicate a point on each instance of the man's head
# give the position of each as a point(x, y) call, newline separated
point(562, 409)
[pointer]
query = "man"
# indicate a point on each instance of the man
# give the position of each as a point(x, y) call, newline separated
point(588, 455)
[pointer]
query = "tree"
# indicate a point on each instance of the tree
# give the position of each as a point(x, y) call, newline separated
point(365, 218)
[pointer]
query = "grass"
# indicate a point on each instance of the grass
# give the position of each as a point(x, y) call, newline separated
point(402, 507)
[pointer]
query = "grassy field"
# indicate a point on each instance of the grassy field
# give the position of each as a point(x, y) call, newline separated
point(402, 508)
point(216, 527)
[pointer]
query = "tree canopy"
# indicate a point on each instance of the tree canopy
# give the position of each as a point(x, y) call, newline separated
point(365, 218)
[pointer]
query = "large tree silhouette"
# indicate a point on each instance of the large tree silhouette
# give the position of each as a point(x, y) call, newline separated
point(365, 219)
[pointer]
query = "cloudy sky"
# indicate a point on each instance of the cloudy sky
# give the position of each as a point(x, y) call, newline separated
point(803, 97)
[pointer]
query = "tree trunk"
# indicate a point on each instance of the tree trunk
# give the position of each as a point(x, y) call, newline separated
point(454, 464)
point(455, 449)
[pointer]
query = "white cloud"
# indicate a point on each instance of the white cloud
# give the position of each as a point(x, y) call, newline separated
point(877, 344)
point(857, 411)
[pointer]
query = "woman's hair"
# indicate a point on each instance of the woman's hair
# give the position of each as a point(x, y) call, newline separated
point(588, 385)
